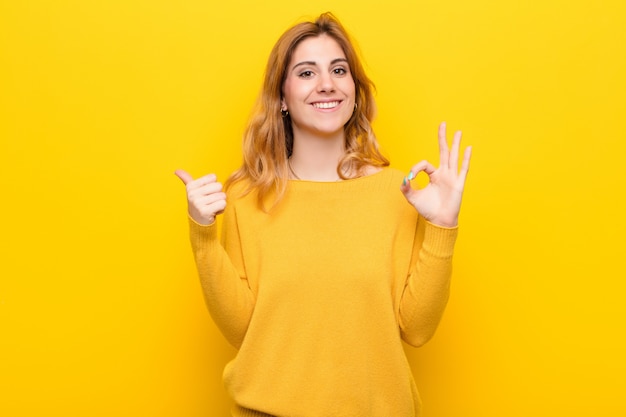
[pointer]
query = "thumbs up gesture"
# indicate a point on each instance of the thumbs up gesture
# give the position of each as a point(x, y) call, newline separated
point(205, 198)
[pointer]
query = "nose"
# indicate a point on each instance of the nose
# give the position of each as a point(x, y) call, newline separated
point(326, 83)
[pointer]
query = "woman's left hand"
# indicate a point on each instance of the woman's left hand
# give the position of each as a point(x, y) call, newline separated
point(440, 201)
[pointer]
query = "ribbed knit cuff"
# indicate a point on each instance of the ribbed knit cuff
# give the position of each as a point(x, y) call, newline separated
point(245, 412)
point(439, 241)
point(202, 235)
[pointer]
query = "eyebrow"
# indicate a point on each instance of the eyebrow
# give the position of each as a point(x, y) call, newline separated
point(334, 61)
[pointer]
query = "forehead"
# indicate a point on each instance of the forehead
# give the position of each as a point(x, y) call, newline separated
point(318, 49)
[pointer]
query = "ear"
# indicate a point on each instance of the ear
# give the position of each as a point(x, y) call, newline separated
point(283, 105)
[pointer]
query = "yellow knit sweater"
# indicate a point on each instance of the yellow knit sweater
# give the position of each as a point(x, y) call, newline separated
point(318, 293)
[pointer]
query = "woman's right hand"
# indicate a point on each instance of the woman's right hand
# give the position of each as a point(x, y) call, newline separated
point(205, 198)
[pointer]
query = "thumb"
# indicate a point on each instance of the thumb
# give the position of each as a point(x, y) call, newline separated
point(184, 176)
point(406, 184)
point(406, 189)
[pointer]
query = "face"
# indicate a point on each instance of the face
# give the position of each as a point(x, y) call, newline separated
point(319, 91)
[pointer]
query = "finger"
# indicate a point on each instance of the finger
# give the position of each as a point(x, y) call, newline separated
point(184, 176)
point(208, 199)
point(201, 182)
point(207, 179)
point(454, 153)
point(466, 163)
point(215, 198)
point(406, 188)
point(204, 210)
point(443, 146)
point(214, 208)
point(422, 166)
point(218, 207)
point(199, 191)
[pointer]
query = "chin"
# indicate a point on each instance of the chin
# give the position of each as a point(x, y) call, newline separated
point(330, 131)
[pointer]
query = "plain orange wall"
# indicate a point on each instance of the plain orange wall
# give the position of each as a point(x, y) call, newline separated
point(100, 310)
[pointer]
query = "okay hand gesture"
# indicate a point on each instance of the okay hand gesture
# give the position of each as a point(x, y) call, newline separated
point(440, 201)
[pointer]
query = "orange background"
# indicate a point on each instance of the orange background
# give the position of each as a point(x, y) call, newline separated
point(100, 309)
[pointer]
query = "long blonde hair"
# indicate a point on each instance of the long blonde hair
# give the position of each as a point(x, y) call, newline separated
point(268, 138)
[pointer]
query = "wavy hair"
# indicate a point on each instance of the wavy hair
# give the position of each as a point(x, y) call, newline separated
point(268, 138)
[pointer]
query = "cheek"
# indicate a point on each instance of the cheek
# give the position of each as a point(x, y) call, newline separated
point(291, 92)
point(350, 89)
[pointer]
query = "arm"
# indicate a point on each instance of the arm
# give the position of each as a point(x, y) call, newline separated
point(427, 287)
point(439, 203)
point(220, 268)
point(224, 286)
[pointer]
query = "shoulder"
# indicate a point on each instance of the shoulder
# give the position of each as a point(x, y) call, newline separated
point(394, 173)
point(387, 182)
point(237, 188)
point(240, 195)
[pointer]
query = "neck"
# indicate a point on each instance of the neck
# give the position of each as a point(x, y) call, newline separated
point(316, 158)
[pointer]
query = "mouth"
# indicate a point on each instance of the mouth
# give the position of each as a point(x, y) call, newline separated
point(326, 104)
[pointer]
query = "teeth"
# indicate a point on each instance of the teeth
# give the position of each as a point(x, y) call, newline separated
point(328, 105)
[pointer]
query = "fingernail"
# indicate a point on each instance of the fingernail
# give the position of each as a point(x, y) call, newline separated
point(411, 176)
point(404, 181)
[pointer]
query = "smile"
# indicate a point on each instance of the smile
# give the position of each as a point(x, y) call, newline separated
point(327, 105)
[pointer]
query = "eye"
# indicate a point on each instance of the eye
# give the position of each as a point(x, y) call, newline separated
point(306, 74)
point(340, 71)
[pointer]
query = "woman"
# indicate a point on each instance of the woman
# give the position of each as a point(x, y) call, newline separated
point(328, 256)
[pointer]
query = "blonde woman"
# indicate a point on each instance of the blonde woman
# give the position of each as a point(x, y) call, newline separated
point(328, 257)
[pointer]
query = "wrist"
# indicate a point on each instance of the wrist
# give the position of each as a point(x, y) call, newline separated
point(202, 221)
point(444, 222)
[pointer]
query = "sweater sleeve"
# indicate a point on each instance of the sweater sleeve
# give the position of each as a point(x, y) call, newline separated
point(427, 287)
point(220, 268)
